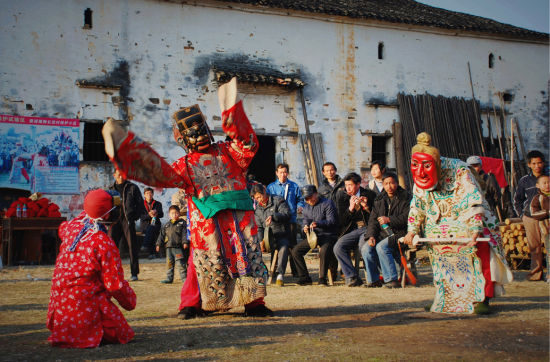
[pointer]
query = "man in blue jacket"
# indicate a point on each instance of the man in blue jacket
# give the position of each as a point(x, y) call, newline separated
point(289, 191)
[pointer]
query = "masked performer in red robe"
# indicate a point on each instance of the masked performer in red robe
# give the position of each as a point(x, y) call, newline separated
point(448, 204)
point(87, 274)
point(227, 270)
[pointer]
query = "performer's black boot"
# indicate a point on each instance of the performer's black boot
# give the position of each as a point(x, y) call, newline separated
point(188, 313)
point(258, 311)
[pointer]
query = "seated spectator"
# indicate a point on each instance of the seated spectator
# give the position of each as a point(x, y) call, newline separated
point(331, 183)
point(87, 274)
point(377, 169)
point(273, 211)
point(387, 223)
point(320, 216)
point(354, 206)
point(150, 221)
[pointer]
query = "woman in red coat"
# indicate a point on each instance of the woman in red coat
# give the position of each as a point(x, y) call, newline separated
point(87, 274)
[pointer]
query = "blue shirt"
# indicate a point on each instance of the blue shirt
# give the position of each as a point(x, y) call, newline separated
point(293, 195)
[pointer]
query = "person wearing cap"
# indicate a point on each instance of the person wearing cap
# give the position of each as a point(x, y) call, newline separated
point(488, 183)
point(87, 274)
point(320, 216)
point(273, 211)
point(220, 211)
point(447, 203)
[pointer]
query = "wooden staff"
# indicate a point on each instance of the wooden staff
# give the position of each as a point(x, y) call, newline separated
point(417, 239)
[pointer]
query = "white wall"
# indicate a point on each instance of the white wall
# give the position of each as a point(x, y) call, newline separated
point(169, 49)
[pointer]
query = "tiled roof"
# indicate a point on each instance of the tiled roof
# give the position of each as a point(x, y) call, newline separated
point(257, 75)
point(400, 11)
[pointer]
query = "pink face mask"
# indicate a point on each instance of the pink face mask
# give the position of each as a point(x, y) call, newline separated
point(424, 170)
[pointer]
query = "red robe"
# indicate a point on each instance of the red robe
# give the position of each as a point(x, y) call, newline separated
point(226, 256)
point(81, 313)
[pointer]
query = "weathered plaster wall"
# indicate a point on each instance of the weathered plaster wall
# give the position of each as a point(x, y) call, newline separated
point(165, 51)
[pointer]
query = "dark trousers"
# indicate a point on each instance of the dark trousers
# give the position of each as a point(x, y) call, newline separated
point(176, 256)
point(326, 258)
point(150, 237)
point(292, 245)
point(125, 230)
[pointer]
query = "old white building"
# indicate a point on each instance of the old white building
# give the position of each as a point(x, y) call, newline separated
point(140, 60)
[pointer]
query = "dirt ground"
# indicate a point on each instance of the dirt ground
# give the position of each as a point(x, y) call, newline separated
point(310, 323)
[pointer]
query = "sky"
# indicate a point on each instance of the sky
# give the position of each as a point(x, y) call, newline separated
point(528, 14)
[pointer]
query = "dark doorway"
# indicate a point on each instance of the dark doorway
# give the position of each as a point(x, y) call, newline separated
point(263, 164)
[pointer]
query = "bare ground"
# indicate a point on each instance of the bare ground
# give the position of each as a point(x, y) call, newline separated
point(310, 323)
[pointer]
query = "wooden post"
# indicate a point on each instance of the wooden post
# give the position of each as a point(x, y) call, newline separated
point(476, 114)
point(308, 136)
point(522, 146)
point(499, 134)
point(512, 175)
point(398, 149)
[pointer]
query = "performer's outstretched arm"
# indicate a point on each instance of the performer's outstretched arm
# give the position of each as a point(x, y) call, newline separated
point(236, 125)
point(136, 159)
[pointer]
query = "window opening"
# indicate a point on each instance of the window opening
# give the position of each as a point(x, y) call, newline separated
point(491, 60)
point(379, 148)
point(380, 50)
point(87, 18)
point(93, 145)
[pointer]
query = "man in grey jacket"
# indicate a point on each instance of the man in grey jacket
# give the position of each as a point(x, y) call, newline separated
point(273, 211)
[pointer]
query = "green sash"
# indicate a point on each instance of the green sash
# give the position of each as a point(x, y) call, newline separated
point(232, 200)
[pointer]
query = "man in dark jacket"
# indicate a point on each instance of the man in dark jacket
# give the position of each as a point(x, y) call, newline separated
point(387, 223)
point(354, 205)
point(319, 215)
point(150, 221)
point(331, 183)
point(125, 227)
point(273, 211)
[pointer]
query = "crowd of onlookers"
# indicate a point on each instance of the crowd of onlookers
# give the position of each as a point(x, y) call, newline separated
point(339, 217)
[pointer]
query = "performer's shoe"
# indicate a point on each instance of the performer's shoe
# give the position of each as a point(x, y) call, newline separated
point(323, 282)
point(482, 308)
point(280, 283)
point(258, 311)
point(428, 307)
point(166, 281)
point(305, 281)
point(134, 278)
point(393, 284)
point(188, 313)
point(376, 284)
